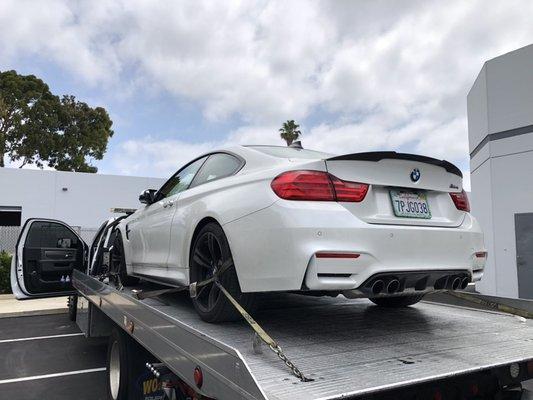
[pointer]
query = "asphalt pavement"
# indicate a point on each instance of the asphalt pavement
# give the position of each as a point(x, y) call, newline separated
point(47, 357)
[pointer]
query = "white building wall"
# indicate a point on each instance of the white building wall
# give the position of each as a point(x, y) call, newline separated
point(481, 204)
point(510, 90)
point(500, 119)
point(512, 180)
point(477, 110)
point(86, 202)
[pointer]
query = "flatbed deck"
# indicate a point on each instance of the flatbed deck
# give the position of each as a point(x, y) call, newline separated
point(349, 347)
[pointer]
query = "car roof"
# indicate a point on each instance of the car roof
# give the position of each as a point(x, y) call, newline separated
point(281, 152)
point(263, 156)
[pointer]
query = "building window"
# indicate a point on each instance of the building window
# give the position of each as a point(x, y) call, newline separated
point(10, 217)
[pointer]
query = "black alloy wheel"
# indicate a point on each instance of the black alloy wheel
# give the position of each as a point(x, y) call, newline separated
point(210, 251)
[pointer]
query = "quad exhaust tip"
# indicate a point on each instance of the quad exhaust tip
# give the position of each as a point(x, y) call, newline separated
point(465, 282)
point(378, 286)
point(393, 286)
point(456, 283)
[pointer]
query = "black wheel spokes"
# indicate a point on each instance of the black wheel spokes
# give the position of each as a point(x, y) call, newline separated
point(207, 255)
point(201, 259)
point(214, 248)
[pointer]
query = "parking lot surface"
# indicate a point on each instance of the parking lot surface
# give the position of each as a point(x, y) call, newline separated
point(47, 357)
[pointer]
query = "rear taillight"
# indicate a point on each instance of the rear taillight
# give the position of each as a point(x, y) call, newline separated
point(304, 185)
point(461, 201)
point(349, 191)
point(317, 186)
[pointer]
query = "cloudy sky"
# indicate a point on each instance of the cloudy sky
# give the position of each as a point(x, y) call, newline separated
point(182, 77)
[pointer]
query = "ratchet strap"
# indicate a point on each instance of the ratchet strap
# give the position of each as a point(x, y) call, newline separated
point(265, 337)
point(492, 304)
point(195, 289)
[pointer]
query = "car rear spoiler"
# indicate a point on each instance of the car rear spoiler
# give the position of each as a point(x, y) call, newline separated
point(380, 155)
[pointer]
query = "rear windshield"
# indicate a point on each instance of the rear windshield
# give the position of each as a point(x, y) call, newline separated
point(289, 152)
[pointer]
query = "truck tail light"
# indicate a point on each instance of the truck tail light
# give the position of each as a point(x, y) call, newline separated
point(317, 186)
point(461, 201)
point(198, 377)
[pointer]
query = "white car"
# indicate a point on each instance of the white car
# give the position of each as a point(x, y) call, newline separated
point(383, 225)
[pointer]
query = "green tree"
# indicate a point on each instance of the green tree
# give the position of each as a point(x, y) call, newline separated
point(5, 267)
point(37, 127)
point(85, 133)
point(289, 131)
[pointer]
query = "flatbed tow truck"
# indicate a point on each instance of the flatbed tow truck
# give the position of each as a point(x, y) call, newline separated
point(347, 349)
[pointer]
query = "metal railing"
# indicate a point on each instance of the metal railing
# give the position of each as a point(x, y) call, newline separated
point(8, 238)
point(87, 234)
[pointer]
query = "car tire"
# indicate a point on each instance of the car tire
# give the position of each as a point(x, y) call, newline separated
point(126, 366)
point(210, 247)
point(118, 262)
point(397, 301)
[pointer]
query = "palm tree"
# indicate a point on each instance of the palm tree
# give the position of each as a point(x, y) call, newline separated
point(289, 131)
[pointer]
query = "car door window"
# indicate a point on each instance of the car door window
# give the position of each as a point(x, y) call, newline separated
point(181, 180)
point(217, 166)
point(51, 235)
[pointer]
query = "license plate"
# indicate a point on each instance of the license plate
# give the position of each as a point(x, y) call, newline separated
point(410, 204)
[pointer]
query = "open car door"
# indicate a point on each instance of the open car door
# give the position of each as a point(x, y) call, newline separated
point(47, 252)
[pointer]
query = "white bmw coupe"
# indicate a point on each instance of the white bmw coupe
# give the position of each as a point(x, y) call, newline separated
point(383, 225)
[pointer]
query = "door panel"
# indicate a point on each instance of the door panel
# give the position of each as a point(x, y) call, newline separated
point(524, 254)
point(47, 253)
point(151, 231)
point(134, 238)
point(154, 234)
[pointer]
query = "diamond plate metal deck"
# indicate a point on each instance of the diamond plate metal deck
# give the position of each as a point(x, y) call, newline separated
point(351, 347)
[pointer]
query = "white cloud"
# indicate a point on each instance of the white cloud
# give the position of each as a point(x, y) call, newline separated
point(149, 157)
point(389, 75)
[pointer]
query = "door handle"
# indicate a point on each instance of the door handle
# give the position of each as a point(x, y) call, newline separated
point(168, 204)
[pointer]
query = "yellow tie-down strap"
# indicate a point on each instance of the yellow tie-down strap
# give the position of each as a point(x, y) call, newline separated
point(265, 337)
point(492, 304)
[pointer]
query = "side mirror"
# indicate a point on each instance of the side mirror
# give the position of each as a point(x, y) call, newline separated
point(148, 196)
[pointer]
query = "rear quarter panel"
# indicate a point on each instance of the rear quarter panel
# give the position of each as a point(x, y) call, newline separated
point(225, 200)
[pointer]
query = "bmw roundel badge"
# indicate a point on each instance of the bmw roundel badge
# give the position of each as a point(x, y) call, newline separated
point(415, 175)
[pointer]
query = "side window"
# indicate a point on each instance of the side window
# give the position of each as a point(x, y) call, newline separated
point(181, 181)
point(51, 235)
point(217, 166)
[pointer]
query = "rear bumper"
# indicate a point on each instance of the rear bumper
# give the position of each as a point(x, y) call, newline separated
point(274, 248)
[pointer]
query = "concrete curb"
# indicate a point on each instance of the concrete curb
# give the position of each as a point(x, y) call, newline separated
point(34, 312)
point(11, 307)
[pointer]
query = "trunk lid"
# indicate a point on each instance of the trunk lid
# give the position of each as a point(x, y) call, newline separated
point(433, 179)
